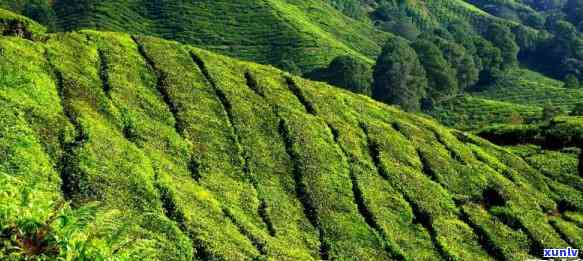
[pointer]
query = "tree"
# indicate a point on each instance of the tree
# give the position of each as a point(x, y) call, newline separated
point(352, 8)
point(577, 110)
point(463, 34)
point(563, 54)
point(574, 10)
point(461, 62)
point(290, 66)
point(391, 17)
point(502, 38)
point(515, 118)
point(405, 28)
point(348, 73)
point(565, 32)
point(490, 58)
point(535, 20)
point(543, 5)
point(440, 76)
point(443, 33)
point(550, 111)
point(571, 82)
point(507, 13)
point(553, 18)
point(471, 64)
point(467, 72)
point(572, 66)
point(398, 76)
point(41, 12)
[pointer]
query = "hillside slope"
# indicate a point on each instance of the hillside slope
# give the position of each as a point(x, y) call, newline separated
point(309, 33)
point(471, 112)
point(170, 152)
point(518, 97)
point(530, 88)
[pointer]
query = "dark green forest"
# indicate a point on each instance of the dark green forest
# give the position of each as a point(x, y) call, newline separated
point(290, 129)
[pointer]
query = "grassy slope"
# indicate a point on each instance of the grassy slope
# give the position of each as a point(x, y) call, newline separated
point(562, 131)
point(469, 112)
point(429, 14)
point(520, 93)
point(304, 31)
point(308, 32)
point(191, 154)
point(530, 88)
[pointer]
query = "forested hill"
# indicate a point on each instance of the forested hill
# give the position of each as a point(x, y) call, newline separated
point(120, 146)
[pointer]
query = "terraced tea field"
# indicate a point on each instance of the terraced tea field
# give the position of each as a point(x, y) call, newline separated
point(192, 155)
point(525, 87)
point(519, 97)
point(471, 112)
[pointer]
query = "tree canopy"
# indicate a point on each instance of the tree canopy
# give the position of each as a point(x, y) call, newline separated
point(399, 77)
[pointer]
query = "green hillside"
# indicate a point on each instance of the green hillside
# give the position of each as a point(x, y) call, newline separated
point(434, 14)
point(307, 33)
point(518, 97)
point(530, 88)
point(560, 132)
point(470, 112)
point(131, 147)
point(287, 33)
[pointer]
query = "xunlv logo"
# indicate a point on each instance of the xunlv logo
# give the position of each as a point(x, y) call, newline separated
point(561, 252)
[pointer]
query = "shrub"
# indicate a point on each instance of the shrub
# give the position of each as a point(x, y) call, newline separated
point(577, 110)
point(571, 82)
point(348, 73)
point(550, 111)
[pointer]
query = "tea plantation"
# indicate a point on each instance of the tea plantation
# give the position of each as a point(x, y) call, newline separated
point(117, 146)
